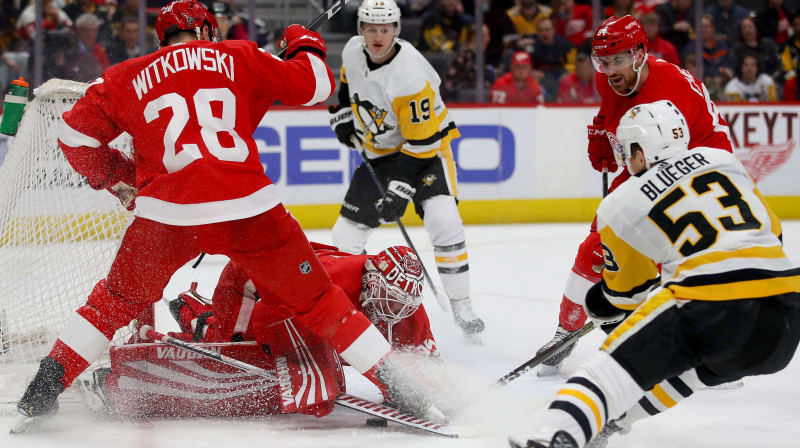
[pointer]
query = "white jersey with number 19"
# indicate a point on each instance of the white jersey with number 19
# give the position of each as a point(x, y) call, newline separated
point(397, 106)
point(702, 218)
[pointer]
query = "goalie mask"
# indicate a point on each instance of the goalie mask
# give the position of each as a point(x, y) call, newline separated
point(379, 12)
point(185, 15)
point(391, 287)
point(658, 128)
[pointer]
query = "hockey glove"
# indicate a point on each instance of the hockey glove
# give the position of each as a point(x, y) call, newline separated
point(121, 179)
point(600, 151)
point(603, 313)
point(296, 39)
point(394, 203)
point(342, 123)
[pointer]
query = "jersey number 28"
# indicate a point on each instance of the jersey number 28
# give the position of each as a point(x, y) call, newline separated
point(210, 126)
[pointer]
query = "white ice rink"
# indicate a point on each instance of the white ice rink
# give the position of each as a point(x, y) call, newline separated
point(518, 272)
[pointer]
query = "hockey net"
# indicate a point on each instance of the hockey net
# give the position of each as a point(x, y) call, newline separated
point(58, 238)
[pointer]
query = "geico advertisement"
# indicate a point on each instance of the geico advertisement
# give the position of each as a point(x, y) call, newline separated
point(513, 153)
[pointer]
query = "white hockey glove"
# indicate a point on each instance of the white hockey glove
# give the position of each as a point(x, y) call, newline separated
point(341, 120)
point(395, 201)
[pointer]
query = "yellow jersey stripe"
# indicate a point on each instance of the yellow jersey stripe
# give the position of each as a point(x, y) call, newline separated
point(663, 396)
point(453, 259)
point(716, 257)
point(748, 289)
point(586, 400)
point(642, 312)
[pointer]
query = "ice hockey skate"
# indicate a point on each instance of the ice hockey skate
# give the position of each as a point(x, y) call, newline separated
point(553, 365)
point(619, 426)
point(41, 397)
point(467, 320)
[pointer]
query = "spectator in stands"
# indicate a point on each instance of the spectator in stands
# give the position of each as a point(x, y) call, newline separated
point(773, 21)
point(718, 65)
point(790, 55)
point(676, 19)
point(126, 45)
point(727, 16)
point(620, 8)
point(553, 58)
point(501, 30)
point(460, 80)
point(14, 56)
point(517, 86)
point(578, 87)
point(751, 85)
point(88, 60)
point(445, 28)
point(524, 17)
point(657, 46)
point(573, 21)
point(78, 7)
point(236, 22)
point(127, 8)
point(54, 19)
point(766, 49)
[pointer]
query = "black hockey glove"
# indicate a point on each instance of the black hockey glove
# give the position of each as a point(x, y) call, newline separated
point(394, 203)
point(342, 123)
point(603, 313)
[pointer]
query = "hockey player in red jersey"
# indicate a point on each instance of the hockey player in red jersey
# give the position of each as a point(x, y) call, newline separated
point(626, 77)
point(386, 287)
point(199, 186)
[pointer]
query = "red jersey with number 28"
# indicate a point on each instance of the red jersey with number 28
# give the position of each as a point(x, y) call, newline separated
point(669, 82)
point(191, 109)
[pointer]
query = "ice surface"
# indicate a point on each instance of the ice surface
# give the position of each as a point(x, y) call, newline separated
point(518, 272)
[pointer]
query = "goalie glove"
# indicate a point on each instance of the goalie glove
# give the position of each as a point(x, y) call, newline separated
point(600, 151)
point(393, 204)
point(341, 119)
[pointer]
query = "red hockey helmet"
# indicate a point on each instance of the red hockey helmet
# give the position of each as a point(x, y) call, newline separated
point(185, 15)
point(392, 284)
point(617, 35)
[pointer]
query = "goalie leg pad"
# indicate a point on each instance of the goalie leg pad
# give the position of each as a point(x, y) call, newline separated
point(234, 298)
point(309, 372)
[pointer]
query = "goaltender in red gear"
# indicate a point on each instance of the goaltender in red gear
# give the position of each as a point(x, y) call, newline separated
point(625, 78)
point(386, 287)
point(191, 108)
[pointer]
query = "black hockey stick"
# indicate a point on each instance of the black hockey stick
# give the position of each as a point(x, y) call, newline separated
point(440, 298)
point(605, 180)
point(544, 355)
point(349, 401)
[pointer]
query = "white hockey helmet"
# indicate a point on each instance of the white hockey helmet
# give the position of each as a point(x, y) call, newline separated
point(380, 12)
point(658, 128)
point(391, 287)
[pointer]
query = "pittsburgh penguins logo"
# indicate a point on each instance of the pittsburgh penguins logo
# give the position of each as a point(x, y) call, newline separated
point(371, 118)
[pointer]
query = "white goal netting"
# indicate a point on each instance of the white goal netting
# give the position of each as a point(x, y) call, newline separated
point(58, 237)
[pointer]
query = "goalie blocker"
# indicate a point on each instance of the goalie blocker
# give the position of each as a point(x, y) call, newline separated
point(159, 380)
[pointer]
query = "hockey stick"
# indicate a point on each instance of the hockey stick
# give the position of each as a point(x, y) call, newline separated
point(544, 355)
point(345, 400)
point(605, 180)
point(440, 298)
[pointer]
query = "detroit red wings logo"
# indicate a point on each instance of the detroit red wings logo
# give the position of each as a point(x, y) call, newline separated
point(412, 265)
point(763, 160)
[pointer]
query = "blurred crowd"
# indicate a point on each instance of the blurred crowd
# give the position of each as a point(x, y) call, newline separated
point(534, 52)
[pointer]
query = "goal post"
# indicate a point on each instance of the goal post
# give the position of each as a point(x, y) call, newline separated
point(58, 237)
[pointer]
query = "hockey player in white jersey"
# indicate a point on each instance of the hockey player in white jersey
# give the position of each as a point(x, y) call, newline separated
point(389, 100)
point(726, 304)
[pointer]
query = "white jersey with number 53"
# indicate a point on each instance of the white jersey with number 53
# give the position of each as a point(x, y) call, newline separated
point(702, 218)
point(397, 105)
